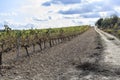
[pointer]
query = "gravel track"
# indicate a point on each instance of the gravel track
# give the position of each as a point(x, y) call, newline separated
point(112, 48)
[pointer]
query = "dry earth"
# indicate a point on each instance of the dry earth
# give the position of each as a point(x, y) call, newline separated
point(82, 58)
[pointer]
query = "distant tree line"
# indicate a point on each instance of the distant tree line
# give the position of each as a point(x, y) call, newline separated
point(112, 22)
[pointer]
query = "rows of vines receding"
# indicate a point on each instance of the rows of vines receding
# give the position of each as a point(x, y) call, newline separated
point(19, 39)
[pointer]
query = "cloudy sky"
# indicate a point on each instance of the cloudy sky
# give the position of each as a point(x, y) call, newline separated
point(24, 14)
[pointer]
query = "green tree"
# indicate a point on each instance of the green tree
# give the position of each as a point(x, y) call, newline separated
point(7, 28)
point(114, 19)
point(99, 22)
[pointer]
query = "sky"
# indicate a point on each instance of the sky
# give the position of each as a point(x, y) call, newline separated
point(26, 14)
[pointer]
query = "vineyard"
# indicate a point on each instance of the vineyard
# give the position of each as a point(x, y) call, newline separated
point(12, 42)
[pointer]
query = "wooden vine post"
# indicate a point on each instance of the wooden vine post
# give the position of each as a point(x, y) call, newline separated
point(48, 36)
point(26, 45)
point(18, 44)
point(61, 33)
point(1, 50)
point(0, 57)
point(33, 38)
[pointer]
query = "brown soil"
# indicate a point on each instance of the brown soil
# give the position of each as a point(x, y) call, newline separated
point(79, 57)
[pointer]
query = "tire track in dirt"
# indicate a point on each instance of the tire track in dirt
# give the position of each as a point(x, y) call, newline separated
point(95, 67)
point(111, 48)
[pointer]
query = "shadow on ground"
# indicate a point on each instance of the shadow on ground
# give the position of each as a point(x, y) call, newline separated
point(96, 67)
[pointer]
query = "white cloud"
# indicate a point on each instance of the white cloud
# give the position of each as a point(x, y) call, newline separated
point(32, 11)
point(117, 9)
point(8, 14)
point(90, 1)
point(56, 23)
point(35, 10)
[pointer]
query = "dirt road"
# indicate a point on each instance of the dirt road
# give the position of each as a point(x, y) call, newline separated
point(82, 58)
point(112, 48)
